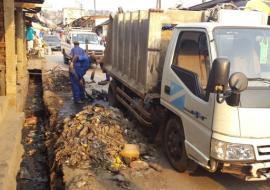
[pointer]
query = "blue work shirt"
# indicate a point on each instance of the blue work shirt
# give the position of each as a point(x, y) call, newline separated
point(29, 34)
point(83, 62)
point(77, 51)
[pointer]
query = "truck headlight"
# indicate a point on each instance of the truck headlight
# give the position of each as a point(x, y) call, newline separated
point(230, 151)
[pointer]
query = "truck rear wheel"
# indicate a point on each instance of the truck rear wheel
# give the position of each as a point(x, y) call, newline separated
point(112, 94)
point(174, 144)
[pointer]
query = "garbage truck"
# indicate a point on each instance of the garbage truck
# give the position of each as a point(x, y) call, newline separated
point(204, 85)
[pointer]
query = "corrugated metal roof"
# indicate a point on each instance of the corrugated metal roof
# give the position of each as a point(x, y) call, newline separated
point(210, 4)
point(30, 1)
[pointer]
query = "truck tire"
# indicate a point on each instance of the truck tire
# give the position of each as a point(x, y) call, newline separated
point(174, 144)
point(112, 94)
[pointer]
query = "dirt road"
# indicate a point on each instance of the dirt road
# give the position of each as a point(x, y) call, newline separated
point(168, 179)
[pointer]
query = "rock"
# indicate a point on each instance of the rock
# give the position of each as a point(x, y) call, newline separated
point(139, 165)
point(80, 184)
point(24, 174)
point(150, 171)
point(119, 178)
point(155, 167)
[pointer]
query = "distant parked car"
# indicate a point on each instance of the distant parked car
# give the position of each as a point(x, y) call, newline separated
point(53, 41)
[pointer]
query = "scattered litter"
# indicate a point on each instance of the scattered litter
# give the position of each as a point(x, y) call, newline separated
point(58, 80)
point(99, 94)
point(31, 152)
point(30, 121)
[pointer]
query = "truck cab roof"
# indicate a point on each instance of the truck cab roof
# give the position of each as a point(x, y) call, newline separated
point(209, 26)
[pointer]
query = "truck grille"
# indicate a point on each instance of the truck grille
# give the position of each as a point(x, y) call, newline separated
point(264, 150)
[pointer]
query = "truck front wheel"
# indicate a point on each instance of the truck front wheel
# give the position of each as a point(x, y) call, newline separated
point(174, 144)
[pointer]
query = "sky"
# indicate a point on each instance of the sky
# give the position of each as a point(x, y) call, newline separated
point(112, 5)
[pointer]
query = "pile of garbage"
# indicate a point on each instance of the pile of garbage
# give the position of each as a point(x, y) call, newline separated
point(58, 80)
point(93, 135)
point(100, 137)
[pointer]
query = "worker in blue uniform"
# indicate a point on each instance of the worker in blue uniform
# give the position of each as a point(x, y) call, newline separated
point(79, 65)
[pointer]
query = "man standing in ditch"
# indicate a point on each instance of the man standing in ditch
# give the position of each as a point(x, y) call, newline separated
point(80, 63)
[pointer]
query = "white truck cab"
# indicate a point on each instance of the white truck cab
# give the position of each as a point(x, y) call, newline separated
point(205, 85)
point(80, 35)
point(226, 123)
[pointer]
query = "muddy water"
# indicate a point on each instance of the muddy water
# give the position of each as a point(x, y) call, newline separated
point(34, 171)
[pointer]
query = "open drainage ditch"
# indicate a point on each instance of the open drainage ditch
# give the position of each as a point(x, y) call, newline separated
point(35, 172)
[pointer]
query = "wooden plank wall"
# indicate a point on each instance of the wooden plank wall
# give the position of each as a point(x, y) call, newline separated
point(2, 52)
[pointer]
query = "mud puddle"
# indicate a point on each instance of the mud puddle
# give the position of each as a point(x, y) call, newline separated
point(34, 171)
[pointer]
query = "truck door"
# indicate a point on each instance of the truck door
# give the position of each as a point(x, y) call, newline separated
point(185, 77)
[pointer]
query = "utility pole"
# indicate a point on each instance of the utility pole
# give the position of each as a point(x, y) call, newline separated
point(95, 8)
point(81, 8)
point(158, 4)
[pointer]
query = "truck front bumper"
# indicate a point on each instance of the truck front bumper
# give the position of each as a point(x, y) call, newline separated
point(250, 171)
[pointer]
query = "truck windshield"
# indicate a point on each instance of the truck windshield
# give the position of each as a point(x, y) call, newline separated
point(248, 50)
point(92, 38)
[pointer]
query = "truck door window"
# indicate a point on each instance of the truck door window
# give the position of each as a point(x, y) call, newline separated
point(192, 55)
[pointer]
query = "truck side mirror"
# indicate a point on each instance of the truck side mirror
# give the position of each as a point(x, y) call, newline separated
point(238, 83)
point(218, 77)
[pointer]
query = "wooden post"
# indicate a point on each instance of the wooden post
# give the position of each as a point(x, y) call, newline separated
point(20, 44)
point(2, 52)
point(11, 60)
